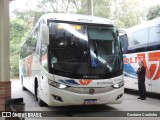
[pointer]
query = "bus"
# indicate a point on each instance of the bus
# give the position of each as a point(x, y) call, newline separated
point(142, 42)
point(71, 59)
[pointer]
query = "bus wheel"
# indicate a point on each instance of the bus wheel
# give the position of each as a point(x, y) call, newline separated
point(36, 89)
point(41, 103)
point(23, 88)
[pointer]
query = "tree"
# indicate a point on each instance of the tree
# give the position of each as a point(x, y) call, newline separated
point(100, 8)
point(28, 16)
point(18, 31)
point(127, 13)
point(153, 12)
point(55, 6)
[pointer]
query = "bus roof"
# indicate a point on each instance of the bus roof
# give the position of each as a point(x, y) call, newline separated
point(76, 18)
point(144, 25)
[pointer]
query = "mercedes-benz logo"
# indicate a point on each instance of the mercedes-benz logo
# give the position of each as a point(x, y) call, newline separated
point(91, 91)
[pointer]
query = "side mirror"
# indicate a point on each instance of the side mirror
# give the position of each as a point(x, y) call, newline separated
point(44, 30)
point(121, 32)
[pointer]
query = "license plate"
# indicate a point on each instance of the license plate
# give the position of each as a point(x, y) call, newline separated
point(90, 101)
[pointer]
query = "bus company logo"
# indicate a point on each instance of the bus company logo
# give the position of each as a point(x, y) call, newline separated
point(91, 91)
point(128, 60)
point(152, 64)
point(85, 82)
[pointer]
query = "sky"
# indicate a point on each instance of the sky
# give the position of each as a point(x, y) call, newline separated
point(150, 3)
point(21, 4)
point(31, 4)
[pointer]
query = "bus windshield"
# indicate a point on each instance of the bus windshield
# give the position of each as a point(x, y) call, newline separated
point(82, 49)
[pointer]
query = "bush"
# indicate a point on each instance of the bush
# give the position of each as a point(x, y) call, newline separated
point(14, 66)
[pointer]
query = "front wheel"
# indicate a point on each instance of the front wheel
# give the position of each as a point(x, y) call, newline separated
point(41, 103)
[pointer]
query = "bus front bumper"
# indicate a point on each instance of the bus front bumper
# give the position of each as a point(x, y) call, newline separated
point(60, 97)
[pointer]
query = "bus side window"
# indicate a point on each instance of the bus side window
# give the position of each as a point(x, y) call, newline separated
point(140, 40)
point(158, 29)
point(24, 51)
point(32, 43)
point(154, 37)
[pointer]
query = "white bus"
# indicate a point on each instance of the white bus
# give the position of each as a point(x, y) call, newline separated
point(71, 59)
point(142, 42)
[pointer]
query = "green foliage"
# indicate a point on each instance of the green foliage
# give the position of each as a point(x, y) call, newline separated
point(30, 17)
point(82, 9)
point(153, 12)
point(14, 66)
point(55, 6)
point(101, 8)
point(19, 30)
point(127, 13)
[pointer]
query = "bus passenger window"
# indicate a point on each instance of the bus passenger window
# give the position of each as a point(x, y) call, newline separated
point(154, 37)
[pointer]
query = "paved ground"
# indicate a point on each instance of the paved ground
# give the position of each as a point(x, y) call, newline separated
point(130, 103)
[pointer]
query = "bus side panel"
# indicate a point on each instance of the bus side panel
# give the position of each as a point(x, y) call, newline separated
point(152, 64)
point(130, 67)
point(154, 70)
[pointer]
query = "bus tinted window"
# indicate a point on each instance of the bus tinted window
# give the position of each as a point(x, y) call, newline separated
point(100, 33)
point(81, 49)
point(29, 46)
point(154, 38)
point(66, 38)
point(138, 41)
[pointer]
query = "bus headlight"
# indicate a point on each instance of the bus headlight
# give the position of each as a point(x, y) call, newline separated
point(118, 85)
point(57, 85)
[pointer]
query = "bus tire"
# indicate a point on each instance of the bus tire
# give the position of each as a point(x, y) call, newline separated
point(41, 103)
point(36, 88)
point(23, 88)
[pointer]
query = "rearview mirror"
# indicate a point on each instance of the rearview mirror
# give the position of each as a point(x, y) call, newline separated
point(44, 34)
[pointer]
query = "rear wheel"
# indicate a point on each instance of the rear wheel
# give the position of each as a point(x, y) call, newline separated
point(41, 103)
point(23, 88)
